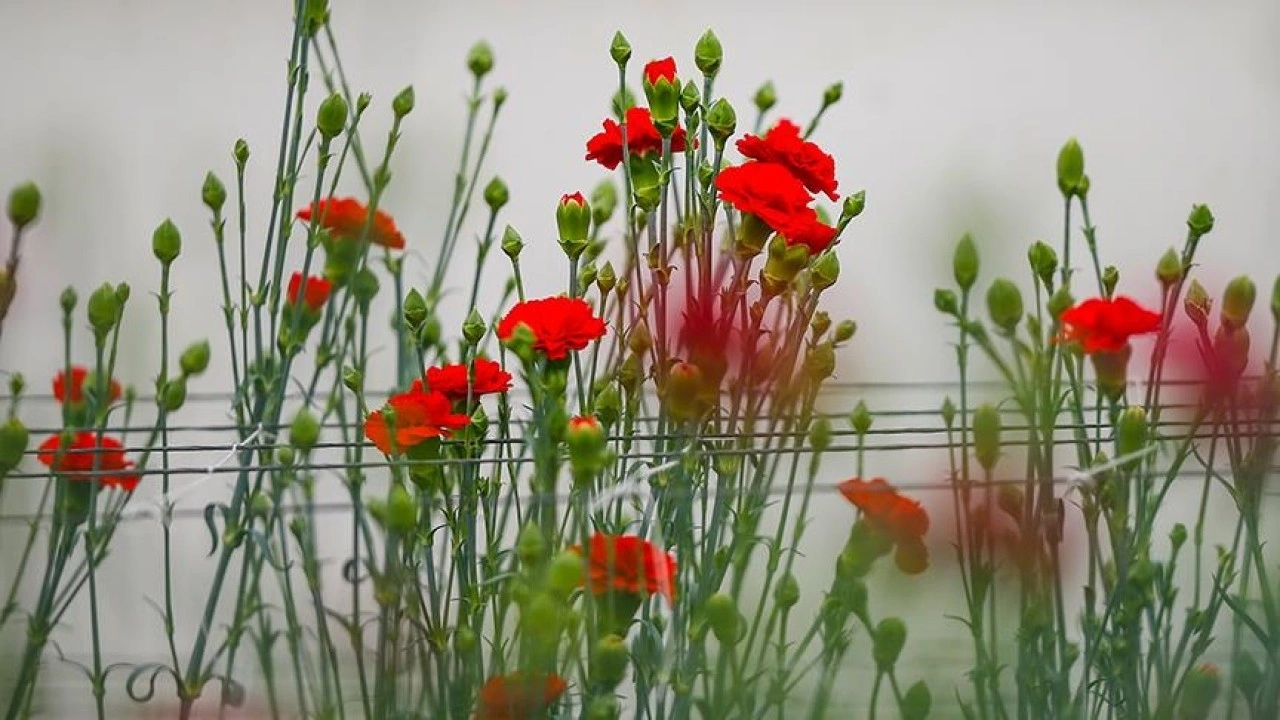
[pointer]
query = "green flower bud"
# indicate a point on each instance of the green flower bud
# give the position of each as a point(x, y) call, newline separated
point(1200, 220)
point(195, 359)
point(1070, 168)
point(474, 328)
point(512, 243)
point(166, 242)
point(1237, 302)
point(260, 505)
point(690, 98)
point(174, 395)
point(1044, 262)
point(122, 294)
point(480, 59)
point(1131, 434)
point(724, 619)
point(820, 434)
point(1110, 278)
point(608, 405)
point(531, 546)
point(573, 219)
point(464, 640)
point(1112, 371)
point(24, 205)
point(820, 324)
point(103, 308)
point(853, 206)
point(67, 300)
point(1197, 304)
point(603, 707)
point(945, 302)
point(1178, 536)
point(820, 362)
point(986, 436)
point(240, 153)
point(565, 573)
point(1200, 690)
point(414, 309)
point(917, 701)
point(402, 510)
point(213, 193)
point(364, 286)
point(722, 122)
point(587, 275)
point(285, 456)
point(1004, 305)
point(964, 263)
point(825, 270)
point(1059, 302)
point(860, 419)
point(13, 443)
point(845, 330)
point(948, 412)
point(787, 592)
point(363, 100)
point(620, 49)
point(17, 384)
point(664, 100)
point(1169, 269)
point(887, 642)
point(609, 661)
point(496, 194)
point(606, 279)
point(766, 97)
point(352, 379)
point(331, 118)
point(499, 98)
point(304, 431)
point(708, 54)
point(402, 104)
point(832, 94)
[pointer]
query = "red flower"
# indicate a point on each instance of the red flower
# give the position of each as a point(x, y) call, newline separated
point(1103, 326)
point(518, 696)
point(662, 69)
point(77, 460)
point(346, 217)
point(902, 520)
point(314, 295)
point(451, 380)
point(804, 228)
point(78, 376)
point(629, 564)
point(767, 190)
point(642, 139)
point(783, 145)
point(559, 324)
point(419, 416)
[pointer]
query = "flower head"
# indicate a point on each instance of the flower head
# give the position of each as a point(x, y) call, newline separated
point(767, 190)
point(346, 218)
point(642, 139)
point(558, 324)
point(898, 518)
point(806, 161)
point(418, 416)
point(487, 377)
point(664, 69)
point(76, 395)
point(315, 291)
point(1104, 325)
point(804, 228)
point(629, 564)
point(518, 696)
point(77, 460)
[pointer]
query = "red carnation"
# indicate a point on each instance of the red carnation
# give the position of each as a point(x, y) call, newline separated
point(901, 520)
point(767, 190)
point(518, 696)
point(629, 564)
point(1103, 325)
point(642, 139)
point(346, 218)
point(558, 324)
point(314, 295)
point(664, 69)
point(77, 460)
point(784, 146)
point(419, 416)
point(451, 380)
point(804, 228)
point(78, 376)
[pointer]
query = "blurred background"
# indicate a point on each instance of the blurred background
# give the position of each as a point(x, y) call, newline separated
point(951, 120)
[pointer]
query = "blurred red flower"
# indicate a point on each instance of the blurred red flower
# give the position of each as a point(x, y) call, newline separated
point(900, 519)
point(346, 218)
point(314, 294)
point(629, 564)
point(419, 416)
point(77, 460)
point(487, 377)
point(1105, 325)
point(78, 376)
point(518, 696)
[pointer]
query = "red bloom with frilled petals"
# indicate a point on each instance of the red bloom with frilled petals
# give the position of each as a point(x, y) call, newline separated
point(315, 292)
point(487, 377)
point(78, 376)
point(629, 564)
point(664, 69)
point(419, 416)
point(900, 519)
point(642, 139)
point(784, 145)
point(559, 324)
point(518, 696)
point(1104, 325)
point(77, 460)
point(346, 218)
point(804, 228)
point(767, 190)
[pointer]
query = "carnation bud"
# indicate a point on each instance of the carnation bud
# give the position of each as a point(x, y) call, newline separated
point(1131, 434)
point(986, 436)
point(860, 419)
point(853, 206)
point(573, 219)
point(1110, 278)
point(787, 592)
point(304, 431)
point(499, 98)
point(820, 362)
point(820, 434)
point(1237, 302)
point(586, 442)
point(1112, 371)
point(414, 309)
point(1059, 302)
point(1044, 262)
point(402, 104)
point(213, 193)
point(67, 300)
point(722, 122)
point(24, 205)
point(723, 617)
point(608, 405)
point(1200, 220)
point(964, 263)
point(352, 379)
point(430, 332)
point(496, 194)
point(103, 308)
point(13, 443)
point(474, 327)
point(174, 394)
point(945, 302)
point(948, 412)
point(766, 97)
point(166, 242)
point(17, 384)
point(1004, 305)
point(1197, 304)
point(1070, 168)
point(603, 707)
point(684, 383)
point(1177, 536)
point(240, 153)
point(195, 358)
point(664, 99)
point(708, 54)
point(402, 511)
point(364, 286)
point(887, 642)
point(565, 573)
point(1200, 690)
point(825, 270)
point(1169, 269)
point(512, 243)
point(832, 94)
point(607, 278)
point(480, 59)
point(845, 330)
point(531, 546)
point(690, 98)
point(587, 275)
point(620, 49)
point(820, 323)
point(331, 118)
point(122, 294)
point(917, 701)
